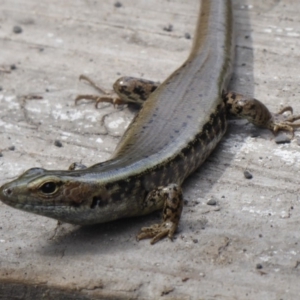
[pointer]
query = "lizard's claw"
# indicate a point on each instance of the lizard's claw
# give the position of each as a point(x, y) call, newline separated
point(283, 122)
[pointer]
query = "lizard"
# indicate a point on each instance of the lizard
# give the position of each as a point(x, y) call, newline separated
point(179, 124)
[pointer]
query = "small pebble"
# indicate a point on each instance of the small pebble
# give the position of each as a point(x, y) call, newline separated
point(11, 148)
point(211, 202)
point(118, 4)
point(259, 266)
point(13, 67)
point(285, 215)
point(195, 241)
point(248, 175)
point(282, 138)
point(1, 154)
point(255, 133)
point(168, 28)
point(187, 36)
point(58, 143)
point(17, 29)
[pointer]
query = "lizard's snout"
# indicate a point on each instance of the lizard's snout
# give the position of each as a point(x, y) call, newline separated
point(5, 192)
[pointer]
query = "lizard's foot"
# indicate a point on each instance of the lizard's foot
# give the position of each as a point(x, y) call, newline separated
point(115, 100)
point(158, 231)
point(284, 122)
point(109, 97)
point(257, 113)
point(171, 195)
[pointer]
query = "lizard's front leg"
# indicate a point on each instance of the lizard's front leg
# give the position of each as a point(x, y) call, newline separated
point(171, 195)
point(127, 90)
point(257, 113)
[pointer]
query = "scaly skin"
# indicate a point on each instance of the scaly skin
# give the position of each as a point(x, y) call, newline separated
point(175, 131)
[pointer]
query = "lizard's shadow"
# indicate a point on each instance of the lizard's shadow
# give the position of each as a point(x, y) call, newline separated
point(242, 82)
point(238, 130)
point(98, 238)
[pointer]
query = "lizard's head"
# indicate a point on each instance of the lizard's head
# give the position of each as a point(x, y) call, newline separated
point(68, 196)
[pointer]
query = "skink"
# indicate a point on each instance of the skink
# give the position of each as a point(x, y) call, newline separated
point(176, 129)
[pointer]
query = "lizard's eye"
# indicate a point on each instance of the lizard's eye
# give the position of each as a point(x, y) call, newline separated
point(48, 187)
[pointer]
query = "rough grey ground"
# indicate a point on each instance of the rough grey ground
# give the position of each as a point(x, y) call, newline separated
point(245, 247)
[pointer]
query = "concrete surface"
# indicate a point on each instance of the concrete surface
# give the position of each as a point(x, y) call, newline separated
point(245, 247)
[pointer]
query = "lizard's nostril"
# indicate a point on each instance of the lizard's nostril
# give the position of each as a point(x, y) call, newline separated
point(7, 192)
